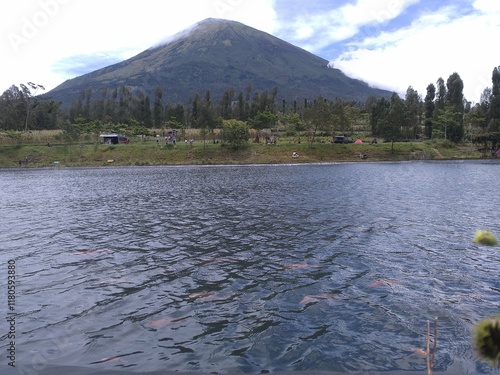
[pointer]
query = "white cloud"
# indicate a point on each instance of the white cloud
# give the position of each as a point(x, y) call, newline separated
point(318, 30)
point(490, 6)
point(39, 35)
point(367, 11)
point(435, 45)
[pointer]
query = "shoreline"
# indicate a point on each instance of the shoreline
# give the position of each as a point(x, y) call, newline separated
point(24, 156)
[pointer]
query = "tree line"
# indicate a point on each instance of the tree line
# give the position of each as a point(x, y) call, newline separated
point(444, 112)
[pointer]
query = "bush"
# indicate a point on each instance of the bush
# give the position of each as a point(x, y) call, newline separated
point(235, 133)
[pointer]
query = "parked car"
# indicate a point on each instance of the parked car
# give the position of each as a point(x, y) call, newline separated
point(342, 139)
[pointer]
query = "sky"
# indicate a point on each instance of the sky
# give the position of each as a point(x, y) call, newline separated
point(390, 44)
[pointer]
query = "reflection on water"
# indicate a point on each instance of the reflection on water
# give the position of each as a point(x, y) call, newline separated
point(250, 269)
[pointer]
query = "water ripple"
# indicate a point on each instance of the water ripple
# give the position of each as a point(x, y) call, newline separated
point(249, 269)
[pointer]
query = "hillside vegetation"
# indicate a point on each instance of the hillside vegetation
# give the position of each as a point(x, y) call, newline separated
point(217, 55)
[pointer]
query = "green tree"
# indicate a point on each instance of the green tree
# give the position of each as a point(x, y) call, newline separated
point(396, 119)
point(225, 103)
point(195, 110)
point(318, 117)
point(176, 112)
point(239, 110)
point(379, 112)
point(263, 120)
point(12, 109)
point(412, 103)
point(110, 109)
point(447, 121)
point(455, 100)
point(99, 105)
point(429, 109)
point(494, 105)
point(440, 94)
point(46, 114)
point(158, 108)
point(124, 104)
point(340, 119)
point(292, 122)
point(86, 108)
point(235, 133)
point(141, 110)
point(28, 96)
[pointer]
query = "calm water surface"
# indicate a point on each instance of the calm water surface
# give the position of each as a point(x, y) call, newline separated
point(243, 269)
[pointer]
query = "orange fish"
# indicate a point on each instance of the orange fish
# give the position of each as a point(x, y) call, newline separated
point(384, 282)
point(164, 322)
point(419, 352)
point(296, 265)
point(203, 294)
point(317, 298)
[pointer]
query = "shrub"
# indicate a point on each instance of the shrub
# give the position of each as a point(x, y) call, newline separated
point(235, 133)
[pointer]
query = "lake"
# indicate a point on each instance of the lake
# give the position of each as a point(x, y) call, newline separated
point(249, 269)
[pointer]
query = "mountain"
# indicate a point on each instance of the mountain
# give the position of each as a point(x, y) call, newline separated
point(216, 55)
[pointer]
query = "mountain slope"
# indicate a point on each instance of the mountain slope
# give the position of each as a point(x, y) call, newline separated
point(216, 55)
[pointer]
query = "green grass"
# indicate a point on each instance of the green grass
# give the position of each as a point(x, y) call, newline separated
point(34, 149)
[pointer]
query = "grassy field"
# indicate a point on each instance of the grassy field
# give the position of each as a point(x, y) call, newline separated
point(33, 150)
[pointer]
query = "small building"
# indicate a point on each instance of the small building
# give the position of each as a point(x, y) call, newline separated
point(114, 139)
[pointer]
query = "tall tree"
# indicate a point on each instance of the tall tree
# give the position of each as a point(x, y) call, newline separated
point(494, 107)
point(379, 112)
point(12, 109)
point(99, 105)
point(318, 117)
point(86, 108)
point(158, 108)
point(240, 108)
point(455, 100)
point(195, 110)
point(28, 95)
point(175, 113)
point(429, 109)
point(206, 117)
point(124, 104)
point(341, 121)
point(440, 94)
point(225, 103)
point(455, 92)
point(412, 104)
point(146, 112)
point(396, 119)
point(110, 109)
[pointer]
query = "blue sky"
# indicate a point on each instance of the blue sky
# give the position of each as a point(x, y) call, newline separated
point(391, 44)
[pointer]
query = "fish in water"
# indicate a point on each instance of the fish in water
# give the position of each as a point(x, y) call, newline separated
point(318, 298)
point(384, 282)
point(164, 322)
point(419, 352)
